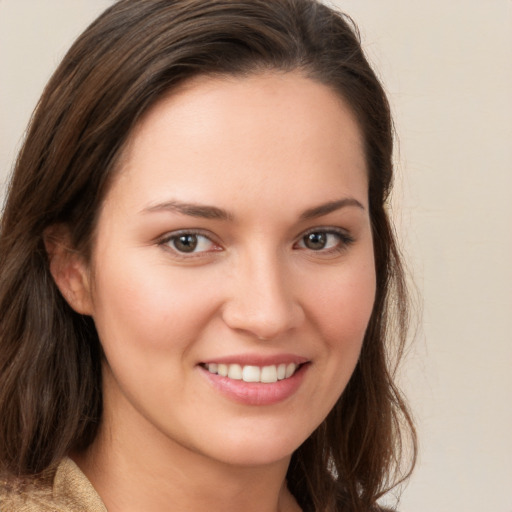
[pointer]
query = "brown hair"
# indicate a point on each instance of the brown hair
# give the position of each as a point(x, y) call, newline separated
point(137, 51)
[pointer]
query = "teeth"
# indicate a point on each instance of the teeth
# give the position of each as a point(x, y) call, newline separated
point(266, 374)
point(290, 370)
point(251, 374)
point(269, 374)
point(235, 371)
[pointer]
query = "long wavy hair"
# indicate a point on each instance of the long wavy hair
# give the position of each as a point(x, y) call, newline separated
point(133, 54)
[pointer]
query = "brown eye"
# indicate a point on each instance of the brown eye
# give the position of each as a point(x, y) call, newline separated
point(325, 241)
point(185, 243)
point(315, 241)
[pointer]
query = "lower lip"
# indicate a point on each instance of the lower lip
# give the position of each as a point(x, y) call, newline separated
point(257, 393)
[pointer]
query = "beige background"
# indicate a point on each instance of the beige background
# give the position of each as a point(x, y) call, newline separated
point(447, 66)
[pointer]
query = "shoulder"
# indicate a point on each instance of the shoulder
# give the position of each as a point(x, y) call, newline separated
point(69, 492)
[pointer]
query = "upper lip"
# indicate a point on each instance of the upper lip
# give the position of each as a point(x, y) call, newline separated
point(257, 360)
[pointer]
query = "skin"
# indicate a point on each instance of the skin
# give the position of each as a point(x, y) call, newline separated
point(265, 149)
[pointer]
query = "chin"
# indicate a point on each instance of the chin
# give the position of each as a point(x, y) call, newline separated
point(261, 449)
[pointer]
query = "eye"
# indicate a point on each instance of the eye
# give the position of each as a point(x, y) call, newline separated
point(187, 242)
point(325, 240)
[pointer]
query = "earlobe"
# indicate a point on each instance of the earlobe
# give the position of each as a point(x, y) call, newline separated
point(68, 269)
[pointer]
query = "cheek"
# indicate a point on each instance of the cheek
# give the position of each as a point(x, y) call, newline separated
point(340, 312)
point(344, 306)
point(150, 307)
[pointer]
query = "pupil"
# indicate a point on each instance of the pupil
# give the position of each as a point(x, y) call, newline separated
point(315, 241)
point(186, 243)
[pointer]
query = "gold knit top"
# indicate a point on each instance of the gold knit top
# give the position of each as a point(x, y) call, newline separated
point(71, 492)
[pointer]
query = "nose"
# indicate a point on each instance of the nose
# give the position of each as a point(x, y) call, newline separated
point(262, 302)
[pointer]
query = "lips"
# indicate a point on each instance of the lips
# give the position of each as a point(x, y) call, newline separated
point(256, 381)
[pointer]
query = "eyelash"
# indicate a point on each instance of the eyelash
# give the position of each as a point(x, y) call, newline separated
point(170, 239)
point(344, 241)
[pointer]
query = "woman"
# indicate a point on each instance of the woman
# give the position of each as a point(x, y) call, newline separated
point(198, 275)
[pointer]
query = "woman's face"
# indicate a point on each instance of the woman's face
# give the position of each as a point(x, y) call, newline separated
point(233, 277)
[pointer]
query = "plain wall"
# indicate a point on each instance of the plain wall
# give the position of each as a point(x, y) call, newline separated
point(447, 66)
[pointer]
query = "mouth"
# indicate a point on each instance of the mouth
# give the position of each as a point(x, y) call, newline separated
point(256, 380)
point(249, 373)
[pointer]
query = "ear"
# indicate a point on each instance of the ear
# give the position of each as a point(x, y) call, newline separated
point(68, 268)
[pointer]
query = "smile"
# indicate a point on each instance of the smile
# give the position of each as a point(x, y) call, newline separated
point(249, 373)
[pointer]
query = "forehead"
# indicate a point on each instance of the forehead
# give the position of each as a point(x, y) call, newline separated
point(265, 132)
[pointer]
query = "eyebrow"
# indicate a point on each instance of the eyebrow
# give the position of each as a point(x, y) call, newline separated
point(192, 210)
point(330, 207)
point(213, 212)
